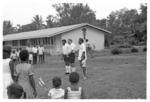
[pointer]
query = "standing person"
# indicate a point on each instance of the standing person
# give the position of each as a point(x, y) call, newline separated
point(7, 72)
point(34, 51)
point(40, 53)
point(89, 48)
point(13, 55)
point(65, 50)
point(82, 57)
point(43, 55)
point(25, 75)
point(72, 55)
point(74, 91)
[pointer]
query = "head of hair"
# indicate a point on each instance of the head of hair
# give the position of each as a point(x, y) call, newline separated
point(15, 91)
point(13, 51)
point(63, 41)
point(87, 40)
point(6, 52)
point(56, 82)
point(74, 78)
point(81, 40)
point(24, 55)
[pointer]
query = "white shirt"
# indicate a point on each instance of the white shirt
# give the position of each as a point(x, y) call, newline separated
point(66, 49)
point(56, 93)
point(82, 48)
point(30, 57)
point(13, 55)
point(29, 49)
point(34, 49)
point(41, 50)
point(73, 47)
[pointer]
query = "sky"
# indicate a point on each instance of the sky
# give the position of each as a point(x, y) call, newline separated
point(22, 11)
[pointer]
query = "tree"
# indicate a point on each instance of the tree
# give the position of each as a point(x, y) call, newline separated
point(37, 20)
point(8, 27)
point(69, 13)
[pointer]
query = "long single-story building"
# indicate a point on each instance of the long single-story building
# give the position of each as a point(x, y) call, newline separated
point(51, 38)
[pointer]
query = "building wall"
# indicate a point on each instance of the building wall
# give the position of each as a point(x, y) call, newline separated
point(94, 36)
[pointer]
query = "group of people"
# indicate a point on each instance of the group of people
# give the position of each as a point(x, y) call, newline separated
point(19, 80)
point(69, 54)
point(35, 53)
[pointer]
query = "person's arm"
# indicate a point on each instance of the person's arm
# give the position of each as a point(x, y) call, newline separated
point(66, 94)
point(32, 82)
point(11, 65)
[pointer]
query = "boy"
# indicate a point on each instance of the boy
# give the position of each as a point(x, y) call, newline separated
point(74, 91)
point(56, 92)
point(72, 55)
point(65, 50)
point(82, 57)
point(40, 53)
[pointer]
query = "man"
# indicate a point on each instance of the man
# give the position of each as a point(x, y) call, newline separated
point(34, 51)
point(72, 55)
point(65, 51)
point(40, 53)
point(82, 57)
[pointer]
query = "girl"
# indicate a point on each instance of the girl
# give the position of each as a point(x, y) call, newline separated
point(74, 91)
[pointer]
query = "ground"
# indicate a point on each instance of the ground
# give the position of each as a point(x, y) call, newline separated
point(109, 76)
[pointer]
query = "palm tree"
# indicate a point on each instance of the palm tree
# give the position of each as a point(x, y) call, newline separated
point(37, 20)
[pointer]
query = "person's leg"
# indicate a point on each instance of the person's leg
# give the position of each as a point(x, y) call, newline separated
point(35, 58)
point(84, 69)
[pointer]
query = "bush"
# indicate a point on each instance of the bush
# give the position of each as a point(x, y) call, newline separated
point(124, 46)
point(144, 49)
point(134, 50)
point(116, 51)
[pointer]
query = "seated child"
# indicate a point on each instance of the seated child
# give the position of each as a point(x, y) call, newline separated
point(74, 91)
point(56, 92)
point(15, 91)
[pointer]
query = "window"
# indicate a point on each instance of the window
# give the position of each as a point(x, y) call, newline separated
point(23, 42)
point(14, 43)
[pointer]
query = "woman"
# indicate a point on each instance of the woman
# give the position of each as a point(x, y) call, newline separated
point(7, 77)
point(25, 74)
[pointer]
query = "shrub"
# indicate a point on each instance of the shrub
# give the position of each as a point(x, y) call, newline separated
point(124, 46)
point(134, 50)
point(116, 51)
point(144, 49)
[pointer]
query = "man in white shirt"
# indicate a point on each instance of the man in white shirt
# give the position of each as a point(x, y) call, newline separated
point(82, 57)
point(34, 51)
point(72, 55)
point(40, 53)
point(65, 51)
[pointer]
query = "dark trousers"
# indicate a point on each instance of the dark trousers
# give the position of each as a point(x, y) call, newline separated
point(40, 58)
point(34, 58)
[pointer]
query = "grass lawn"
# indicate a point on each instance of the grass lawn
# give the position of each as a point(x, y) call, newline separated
point(110, 76)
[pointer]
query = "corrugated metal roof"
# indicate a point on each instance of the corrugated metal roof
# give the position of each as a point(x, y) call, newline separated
point(47, 32)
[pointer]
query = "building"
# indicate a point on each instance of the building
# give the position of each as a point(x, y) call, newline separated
point(52, 37)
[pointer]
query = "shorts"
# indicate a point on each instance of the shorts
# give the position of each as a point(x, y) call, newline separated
point(72, 57)
point(66, 58)
point(82, 63)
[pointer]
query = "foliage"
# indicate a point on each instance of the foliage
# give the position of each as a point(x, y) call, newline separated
point(144, 49)
point(8, 27)
point(134, 50)
point(116, 51)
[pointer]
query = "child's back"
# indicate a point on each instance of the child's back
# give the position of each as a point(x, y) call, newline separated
point(75, 91)
point(56, 92)
point(74, 94)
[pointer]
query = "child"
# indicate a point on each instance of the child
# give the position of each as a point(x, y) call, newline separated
point(30, 58)
point(15, 91)
point(75, 91)
point(82, 57)
point(13, 55)
point(56, 92)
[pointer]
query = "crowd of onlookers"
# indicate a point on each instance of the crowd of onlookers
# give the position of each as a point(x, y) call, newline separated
point(36, 54)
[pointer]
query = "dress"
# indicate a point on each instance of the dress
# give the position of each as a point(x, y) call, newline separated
point(24, 70)
point(7, 79)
